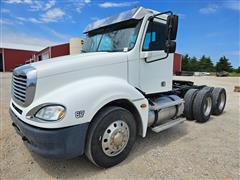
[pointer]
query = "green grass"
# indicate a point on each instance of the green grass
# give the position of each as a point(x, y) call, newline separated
point(234, 74)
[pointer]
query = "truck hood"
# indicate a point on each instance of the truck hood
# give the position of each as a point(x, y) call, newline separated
point(72, 63)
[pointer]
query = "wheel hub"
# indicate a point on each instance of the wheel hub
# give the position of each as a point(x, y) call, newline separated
point(118, 139)
point(207, 106)
point(222, 101)
point(115, 138)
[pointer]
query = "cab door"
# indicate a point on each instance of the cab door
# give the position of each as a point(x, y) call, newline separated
point(155, 64)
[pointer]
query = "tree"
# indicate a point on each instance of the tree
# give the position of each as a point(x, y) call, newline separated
point(185, 63)
point(237, 70)
point(223, 65)
point(193, 64)
point(205, 64)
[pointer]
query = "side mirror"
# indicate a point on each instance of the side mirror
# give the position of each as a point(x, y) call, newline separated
point(170, 46)
point(172, 23)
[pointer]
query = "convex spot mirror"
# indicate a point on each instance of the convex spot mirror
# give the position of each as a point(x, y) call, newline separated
point(172, 23)
point(170, 46)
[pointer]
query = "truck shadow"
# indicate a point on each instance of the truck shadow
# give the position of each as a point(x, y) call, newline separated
point(82, 168)
point(157, 140)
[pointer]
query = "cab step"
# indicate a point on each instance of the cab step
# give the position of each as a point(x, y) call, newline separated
point(167, 125)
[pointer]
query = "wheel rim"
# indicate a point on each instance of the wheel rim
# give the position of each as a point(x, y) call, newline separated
point(222, 101)
point(115, 138)
point(207, 106)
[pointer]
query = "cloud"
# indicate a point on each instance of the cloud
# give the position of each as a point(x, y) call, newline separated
point(46, 37)
point(50, 4)
point(21, 18)
point(210, 9)
point(234, 5)
point(5, 22)
point(58, 35)
point(213, 8)
point(26, 39)
point(79, 8)
point(53, 15)
point(6, 11)
point(80, 4)
point(114, 5)
point(18, 1)
point(35, 5)
point(32, 20)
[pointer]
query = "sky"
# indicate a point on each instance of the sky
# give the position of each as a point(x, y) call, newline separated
point(206, 27)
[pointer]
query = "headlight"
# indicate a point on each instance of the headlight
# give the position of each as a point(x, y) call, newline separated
point(51, 113)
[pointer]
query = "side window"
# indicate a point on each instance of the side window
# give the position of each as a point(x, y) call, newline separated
point(155, 37)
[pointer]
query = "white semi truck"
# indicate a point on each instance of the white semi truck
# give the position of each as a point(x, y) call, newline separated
point(120, 86)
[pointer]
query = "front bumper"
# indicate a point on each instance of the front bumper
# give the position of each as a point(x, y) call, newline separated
point(63, 143)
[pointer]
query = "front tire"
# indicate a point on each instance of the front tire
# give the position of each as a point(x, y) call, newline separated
point(111, 136)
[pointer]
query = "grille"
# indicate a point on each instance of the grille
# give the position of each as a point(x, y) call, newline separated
point(24, 81)
point(19, 83)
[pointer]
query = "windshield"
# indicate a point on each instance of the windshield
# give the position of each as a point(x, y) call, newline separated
point(113, 38)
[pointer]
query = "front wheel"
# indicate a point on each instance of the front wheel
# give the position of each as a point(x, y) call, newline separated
point(111, 136)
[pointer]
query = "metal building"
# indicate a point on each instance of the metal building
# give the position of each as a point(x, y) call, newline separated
point(14, 55)
point(51, 52)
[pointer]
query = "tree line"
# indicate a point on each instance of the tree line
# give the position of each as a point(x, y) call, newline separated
point(205, 64)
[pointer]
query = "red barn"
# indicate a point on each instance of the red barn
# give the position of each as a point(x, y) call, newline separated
point(14, 55)
point(52, 51)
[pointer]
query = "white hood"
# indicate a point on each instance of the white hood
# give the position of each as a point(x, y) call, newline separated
point(73, 63)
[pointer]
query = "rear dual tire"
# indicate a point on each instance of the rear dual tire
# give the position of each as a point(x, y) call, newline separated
point(188, 107)
point(200, 104)
point(219, 100)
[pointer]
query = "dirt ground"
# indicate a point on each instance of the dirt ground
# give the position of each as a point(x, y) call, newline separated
point(187, 151)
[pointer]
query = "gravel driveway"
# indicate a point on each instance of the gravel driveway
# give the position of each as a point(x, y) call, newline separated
point(187, 151)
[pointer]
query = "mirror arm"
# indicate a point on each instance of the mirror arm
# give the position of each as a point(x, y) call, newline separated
point(158, 14)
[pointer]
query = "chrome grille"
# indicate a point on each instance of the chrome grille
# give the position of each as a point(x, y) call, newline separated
point(19, 87)
point(24, 81)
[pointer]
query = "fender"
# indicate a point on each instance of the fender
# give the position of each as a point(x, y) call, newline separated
point(89, 96)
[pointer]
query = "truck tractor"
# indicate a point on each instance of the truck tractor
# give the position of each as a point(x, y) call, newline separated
point(119, 87)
